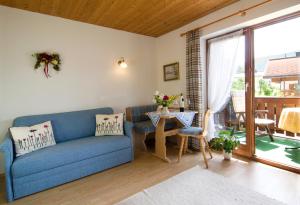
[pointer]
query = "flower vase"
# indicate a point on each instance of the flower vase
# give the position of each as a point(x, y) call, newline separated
point(165, 110)
point(227, 155)
point(159, 108)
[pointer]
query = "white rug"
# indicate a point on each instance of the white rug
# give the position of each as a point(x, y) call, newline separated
point(198, 186)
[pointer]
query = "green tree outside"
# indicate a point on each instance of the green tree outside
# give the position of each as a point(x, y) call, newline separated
point(264, 88)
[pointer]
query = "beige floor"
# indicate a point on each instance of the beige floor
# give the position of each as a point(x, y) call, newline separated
point(118, 183)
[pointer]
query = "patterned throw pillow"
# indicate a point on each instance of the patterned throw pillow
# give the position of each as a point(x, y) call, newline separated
point(29, 139)
point(109, 124)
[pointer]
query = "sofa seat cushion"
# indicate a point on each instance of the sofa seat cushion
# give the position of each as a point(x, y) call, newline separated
point(66, 153)
point(146, 127)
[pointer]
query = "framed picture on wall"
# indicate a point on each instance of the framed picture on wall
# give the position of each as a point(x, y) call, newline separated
point(171, 71)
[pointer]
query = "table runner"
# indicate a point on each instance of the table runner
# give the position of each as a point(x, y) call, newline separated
point(185, 118)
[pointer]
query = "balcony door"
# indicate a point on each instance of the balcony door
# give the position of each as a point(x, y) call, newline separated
point(276, 56)
point(229, 87)
point(266, 82)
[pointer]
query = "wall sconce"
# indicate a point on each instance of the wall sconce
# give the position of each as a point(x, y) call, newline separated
point(122, 63)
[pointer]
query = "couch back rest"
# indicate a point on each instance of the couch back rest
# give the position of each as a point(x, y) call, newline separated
point(68, 125)
point(137, 113)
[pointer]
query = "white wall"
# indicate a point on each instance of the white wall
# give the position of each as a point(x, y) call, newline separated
point(89, 78)
point(171, 47)
point(2, 51)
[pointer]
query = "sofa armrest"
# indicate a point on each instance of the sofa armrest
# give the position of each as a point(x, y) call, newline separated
point(128, 126)
point(6, 147)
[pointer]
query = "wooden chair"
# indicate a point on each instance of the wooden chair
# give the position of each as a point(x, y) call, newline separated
point(238, 102)
point(262, 121)
point(198, 133)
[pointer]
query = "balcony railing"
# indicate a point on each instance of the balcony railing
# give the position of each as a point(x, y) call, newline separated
point(274, 105)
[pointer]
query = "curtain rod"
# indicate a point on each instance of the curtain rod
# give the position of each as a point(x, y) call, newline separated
point(240, 13)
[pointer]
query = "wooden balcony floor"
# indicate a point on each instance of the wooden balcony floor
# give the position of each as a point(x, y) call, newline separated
point(275, 151)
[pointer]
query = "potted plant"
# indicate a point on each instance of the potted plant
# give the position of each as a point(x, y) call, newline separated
point(164, 101)
point(226, 142)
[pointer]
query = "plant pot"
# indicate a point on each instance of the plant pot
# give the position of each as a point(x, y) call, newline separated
point(227, 155)
point(165, 110)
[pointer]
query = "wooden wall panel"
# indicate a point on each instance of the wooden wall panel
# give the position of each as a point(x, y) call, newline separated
point(275, 105)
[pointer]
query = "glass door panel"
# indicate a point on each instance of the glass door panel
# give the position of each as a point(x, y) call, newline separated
point(277, 88)
point(237, 103)
point(231, 120)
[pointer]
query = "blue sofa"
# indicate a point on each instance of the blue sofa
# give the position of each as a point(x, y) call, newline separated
point(78, 152)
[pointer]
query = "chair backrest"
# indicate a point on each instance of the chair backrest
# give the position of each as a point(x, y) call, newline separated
point(238, 101)
point(206, 119)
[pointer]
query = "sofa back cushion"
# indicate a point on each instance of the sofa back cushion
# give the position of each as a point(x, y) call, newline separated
point(138, 112)
point(109, 124)
point(68, 125)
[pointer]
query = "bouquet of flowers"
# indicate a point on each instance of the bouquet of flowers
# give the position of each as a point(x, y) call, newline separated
point(164, 100)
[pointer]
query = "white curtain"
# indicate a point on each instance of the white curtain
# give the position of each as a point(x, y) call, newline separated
point(223, 61)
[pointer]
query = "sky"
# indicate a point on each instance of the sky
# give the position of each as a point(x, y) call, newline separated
point(277, 39)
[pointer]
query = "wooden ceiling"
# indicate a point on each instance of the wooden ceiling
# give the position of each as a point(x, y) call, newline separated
point(147, 17)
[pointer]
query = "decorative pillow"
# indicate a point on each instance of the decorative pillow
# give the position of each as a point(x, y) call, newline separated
point(109, 124)
point(29, 139)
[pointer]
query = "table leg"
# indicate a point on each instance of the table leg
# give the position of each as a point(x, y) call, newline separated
point(270, 133)
point(160, 141)
point(186, 144)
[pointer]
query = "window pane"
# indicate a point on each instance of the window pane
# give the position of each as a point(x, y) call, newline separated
point(277, 59)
